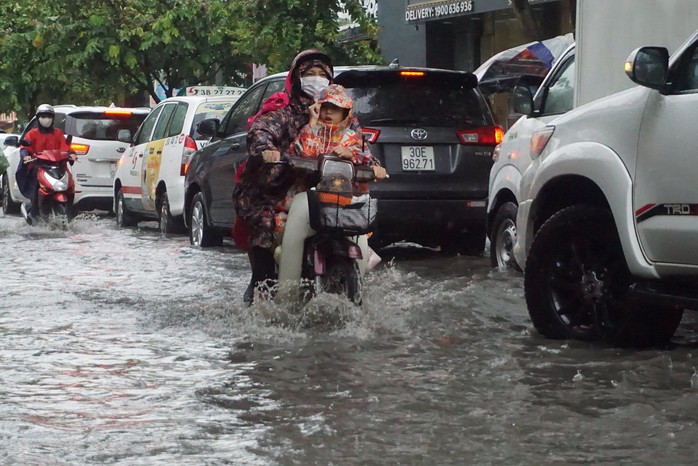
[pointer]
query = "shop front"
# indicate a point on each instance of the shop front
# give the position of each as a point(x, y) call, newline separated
point(461, 34)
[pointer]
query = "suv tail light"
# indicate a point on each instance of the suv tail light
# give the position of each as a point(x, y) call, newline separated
point(539, 140)
point(80, 149)
point(483, 136)
point(370, 134)
point(189, 149)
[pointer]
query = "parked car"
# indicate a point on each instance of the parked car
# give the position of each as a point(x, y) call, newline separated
point(512, 156)
point(608, 220)
point(430, 128)
point(149, 177)
point(94, 131)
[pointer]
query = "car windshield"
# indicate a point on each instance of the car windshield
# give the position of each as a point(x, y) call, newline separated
point(387, 101)
point(102, 127)
point(209, 110)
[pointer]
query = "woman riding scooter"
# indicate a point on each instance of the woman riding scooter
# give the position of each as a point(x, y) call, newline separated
point(264, 182)
point(43, 137)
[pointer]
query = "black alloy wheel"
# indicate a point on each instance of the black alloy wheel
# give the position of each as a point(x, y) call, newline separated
point(576, 284)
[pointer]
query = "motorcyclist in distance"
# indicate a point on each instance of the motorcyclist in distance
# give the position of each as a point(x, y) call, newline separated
point(43, 137)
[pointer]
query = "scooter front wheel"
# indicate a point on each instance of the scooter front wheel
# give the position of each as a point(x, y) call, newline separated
point(342, 277)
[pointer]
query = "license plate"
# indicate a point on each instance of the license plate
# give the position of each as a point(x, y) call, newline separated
point(418, 158)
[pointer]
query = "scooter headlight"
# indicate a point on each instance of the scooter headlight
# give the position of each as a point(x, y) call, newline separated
point(60, 186)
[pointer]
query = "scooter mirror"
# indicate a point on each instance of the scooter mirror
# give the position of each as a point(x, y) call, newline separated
point(69, 139)
point(24, 142)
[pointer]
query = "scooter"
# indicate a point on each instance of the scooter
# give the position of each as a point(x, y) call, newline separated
point(56, 185)
point(324, 245)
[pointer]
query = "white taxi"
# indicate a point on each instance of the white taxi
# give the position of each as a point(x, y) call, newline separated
point(149, 179)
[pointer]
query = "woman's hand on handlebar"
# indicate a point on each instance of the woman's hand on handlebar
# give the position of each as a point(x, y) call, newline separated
point(379, 172)
point(27, 159)
point(271, 156)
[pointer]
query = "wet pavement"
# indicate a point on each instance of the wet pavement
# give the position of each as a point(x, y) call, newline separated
point(121, 347)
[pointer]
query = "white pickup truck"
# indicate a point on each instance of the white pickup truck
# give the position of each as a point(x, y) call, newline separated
point(605, 33)
point(608, 219)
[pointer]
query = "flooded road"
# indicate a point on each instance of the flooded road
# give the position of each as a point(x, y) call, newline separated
point(119, 347)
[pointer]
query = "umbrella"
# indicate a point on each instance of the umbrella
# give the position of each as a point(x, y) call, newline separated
point(527, 63)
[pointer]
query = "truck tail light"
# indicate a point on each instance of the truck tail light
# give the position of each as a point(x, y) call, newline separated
point(189, 149)
point(539, 140)
point(483, 136)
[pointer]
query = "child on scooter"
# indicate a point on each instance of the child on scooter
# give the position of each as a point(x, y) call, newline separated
point(328, 132)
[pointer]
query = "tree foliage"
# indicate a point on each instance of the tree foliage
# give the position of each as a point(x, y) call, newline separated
point(103, 51)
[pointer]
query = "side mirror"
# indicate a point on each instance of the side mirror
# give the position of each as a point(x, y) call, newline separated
point(208, 127)
point(69, 139)
point(12, 141)
point(648, 66)
point(523, 100)
point(24, 142)
point(124, 135)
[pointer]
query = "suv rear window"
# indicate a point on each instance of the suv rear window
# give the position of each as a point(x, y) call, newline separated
point(98, 126)
point(386, 98)
point(209, 110)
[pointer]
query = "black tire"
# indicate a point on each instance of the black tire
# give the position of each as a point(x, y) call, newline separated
point(61, 212)
point(200, 233)
point(342, 277)
point(471, 243)
point(503, 236)
point(168, 224)
point(9, 206)
point(576, 284)
point(124, 218)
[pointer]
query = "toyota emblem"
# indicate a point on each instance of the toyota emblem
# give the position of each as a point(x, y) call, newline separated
point(419, 134)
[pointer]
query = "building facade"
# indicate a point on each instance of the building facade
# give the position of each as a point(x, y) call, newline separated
point(461, 34)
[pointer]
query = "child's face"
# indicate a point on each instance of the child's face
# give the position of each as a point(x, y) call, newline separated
point(330, 113)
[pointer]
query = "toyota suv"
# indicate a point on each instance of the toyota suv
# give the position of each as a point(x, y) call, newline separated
point(431, 129)
point(94, 133)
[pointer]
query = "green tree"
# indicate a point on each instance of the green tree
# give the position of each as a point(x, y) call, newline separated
point(102, 51)
point(276, 30)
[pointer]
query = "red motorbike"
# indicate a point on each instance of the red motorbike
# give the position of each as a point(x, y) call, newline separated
point(56, 184)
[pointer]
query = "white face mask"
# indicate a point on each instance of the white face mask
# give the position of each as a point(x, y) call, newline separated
point(45, 121)
point(312, 85)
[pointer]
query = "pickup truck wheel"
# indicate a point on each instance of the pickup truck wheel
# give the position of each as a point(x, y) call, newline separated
point(503, 237)
point(200, 233)
point(9, 206)
point(576, 284)
point(124, 218)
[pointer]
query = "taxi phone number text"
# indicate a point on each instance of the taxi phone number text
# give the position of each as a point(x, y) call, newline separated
point(216, 92)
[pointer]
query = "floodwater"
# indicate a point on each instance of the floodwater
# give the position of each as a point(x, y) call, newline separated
point(121, 347)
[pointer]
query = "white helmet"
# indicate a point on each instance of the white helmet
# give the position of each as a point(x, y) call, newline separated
point(45, 109)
